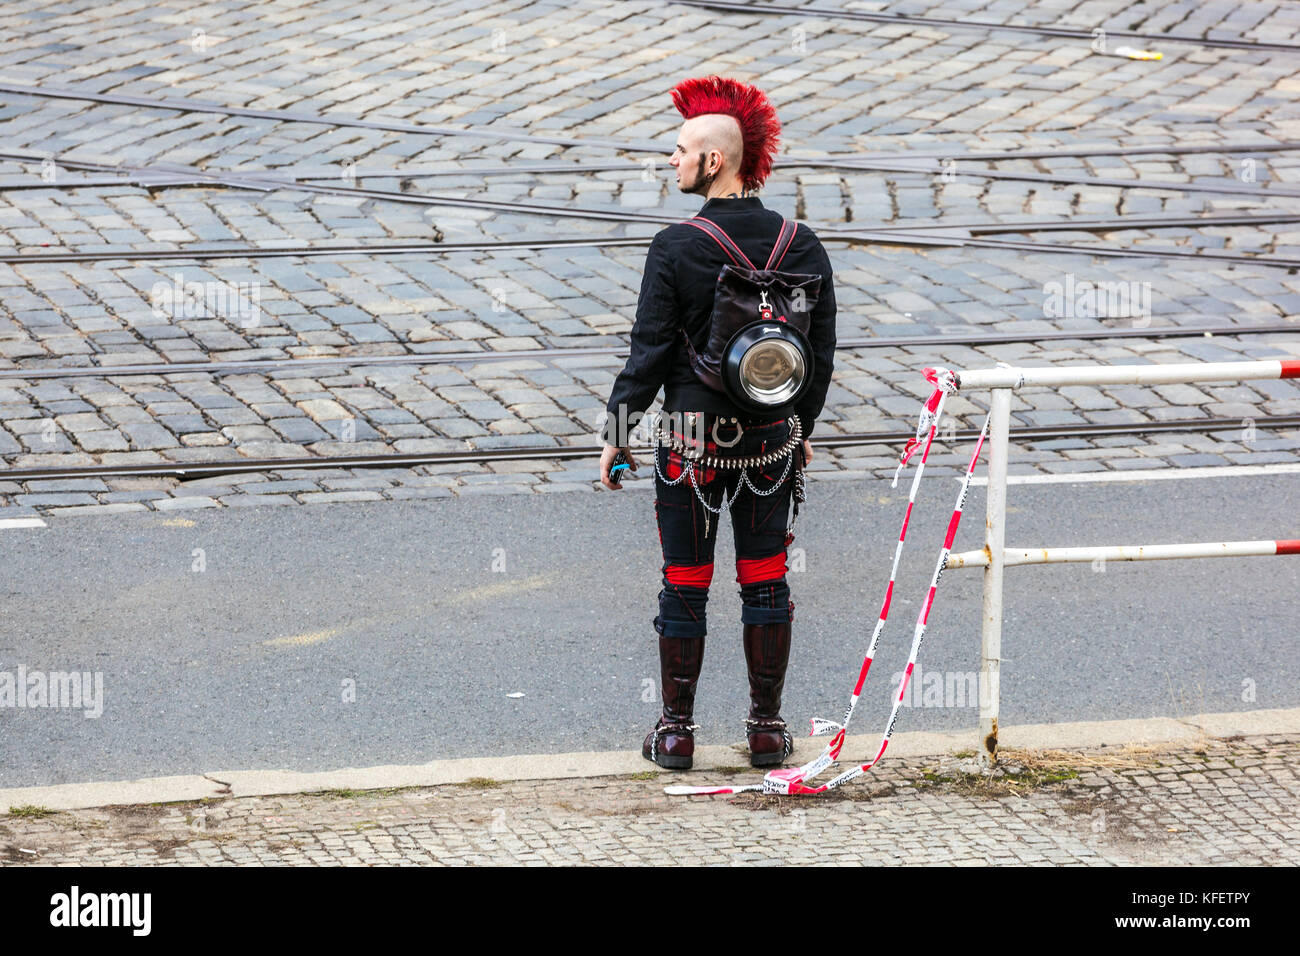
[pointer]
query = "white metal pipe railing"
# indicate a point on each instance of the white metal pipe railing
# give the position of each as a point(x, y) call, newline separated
point(994, 543)
point(1014, 557)
point(1128, 374)
point(995, 556)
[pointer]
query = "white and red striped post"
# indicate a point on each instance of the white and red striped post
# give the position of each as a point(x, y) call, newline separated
point(1014, 557)
point(1007, 377)
point(995, 556)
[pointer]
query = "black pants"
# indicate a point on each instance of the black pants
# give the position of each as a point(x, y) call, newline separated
point(758, 523)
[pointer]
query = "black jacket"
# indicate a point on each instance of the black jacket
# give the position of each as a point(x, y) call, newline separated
point(681, 271)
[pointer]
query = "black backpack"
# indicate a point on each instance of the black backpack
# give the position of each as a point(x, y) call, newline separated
point(746, 296)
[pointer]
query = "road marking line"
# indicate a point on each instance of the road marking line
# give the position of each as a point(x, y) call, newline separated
point(1162, 474)
point(376, 622)
point(303, 640)
point(502, 589)
point(21, 523)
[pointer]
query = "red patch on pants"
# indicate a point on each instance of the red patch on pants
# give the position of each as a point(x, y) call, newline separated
point(753, 570)
point(690, 575)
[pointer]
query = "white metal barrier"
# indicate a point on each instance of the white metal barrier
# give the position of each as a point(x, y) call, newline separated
point(995, 556)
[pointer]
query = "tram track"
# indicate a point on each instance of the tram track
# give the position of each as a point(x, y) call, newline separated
point(548, 353)
point(208, 469)
point(907, 235)
point(936, 236)
point(946, 23)
point(908, 161)
point(565, 167)
point(151, 174)
point(166, 175)
point(914, 234)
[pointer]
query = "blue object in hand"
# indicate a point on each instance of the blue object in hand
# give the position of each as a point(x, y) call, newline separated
point(619, 466)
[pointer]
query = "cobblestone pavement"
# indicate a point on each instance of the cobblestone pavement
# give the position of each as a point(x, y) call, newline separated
point(1229, 801)
point(599, 70)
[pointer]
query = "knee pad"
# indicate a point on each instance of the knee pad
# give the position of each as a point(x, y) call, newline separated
point(681, 613)
point(683, 599)
point(764, 593)
point(767, 602)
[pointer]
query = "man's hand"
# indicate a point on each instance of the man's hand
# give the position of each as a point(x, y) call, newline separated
point(607, 460)
point(807, 452)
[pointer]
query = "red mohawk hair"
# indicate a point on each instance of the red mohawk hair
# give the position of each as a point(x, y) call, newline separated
point(760, 129)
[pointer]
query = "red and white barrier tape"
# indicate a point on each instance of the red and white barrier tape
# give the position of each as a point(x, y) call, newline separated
point(781, 781)
point(793, 780)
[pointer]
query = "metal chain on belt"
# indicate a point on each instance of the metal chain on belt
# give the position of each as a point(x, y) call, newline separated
point(692, 458)
point(744, 476)
point(688, 471)
point(679, 445)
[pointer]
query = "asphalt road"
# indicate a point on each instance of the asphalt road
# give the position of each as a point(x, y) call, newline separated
point(326, 636)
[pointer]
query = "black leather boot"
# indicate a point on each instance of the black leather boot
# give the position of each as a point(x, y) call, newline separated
point(767, 652)
point(672, 742)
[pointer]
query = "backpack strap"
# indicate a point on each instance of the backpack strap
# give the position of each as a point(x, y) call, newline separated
point(779, 248)
point(783, 240)
point(722, 239)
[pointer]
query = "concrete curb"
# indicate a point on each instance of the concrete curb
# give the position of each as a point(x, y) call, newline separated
point(248, 783)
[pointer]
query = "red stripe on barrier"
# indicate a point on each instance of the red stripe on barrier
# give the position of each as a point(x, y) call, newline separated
point(690, 575)
point(836, 744)
point(1290, 368)
point(907, 676)
point(925, 453)
point(1290, 546)
point(907, 516)
point(929, 603)
point(862, 678)
point(952, 529)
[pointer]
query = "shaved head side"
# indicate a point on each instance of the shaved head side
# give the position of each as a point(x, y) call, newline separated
point(721, 132)
point(712, 147)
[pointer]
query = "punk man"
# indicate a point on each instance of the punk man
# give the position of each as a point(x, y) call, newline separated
point(724, 153)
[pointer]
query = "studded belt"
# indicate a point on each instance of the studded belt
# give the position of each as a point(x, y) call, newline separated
point(679, 445)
